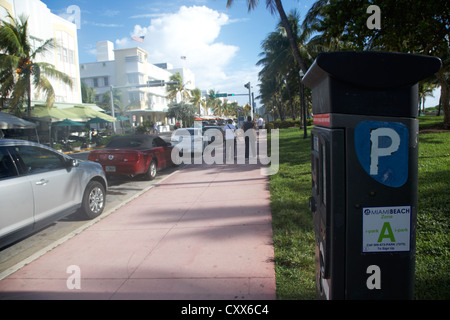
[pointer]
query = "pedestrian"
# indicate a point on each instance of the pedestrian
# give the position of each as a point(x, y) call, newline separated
point(260, 123)
point(155, 128)
point(230, 140)
point(250, 138)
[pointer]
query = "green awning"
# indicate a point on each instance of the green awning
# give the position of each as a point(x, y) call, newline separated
point(52, 114)
point(88, 113)
point(76, 113)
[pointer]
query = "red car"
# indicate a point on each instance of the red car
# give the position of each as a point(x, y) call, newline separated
point(134, 155)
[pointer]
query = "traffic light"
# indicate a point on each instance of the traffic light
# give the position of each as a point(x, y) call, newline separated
point(247, 85)
point(230, 94)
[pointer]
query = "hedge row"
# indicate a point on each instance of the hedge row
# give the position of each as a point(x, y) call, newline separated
point(284, 124)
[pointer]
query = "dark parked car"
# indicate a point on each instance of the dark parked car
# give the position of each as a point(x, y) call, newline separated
point(134, 155)
point(39, 185)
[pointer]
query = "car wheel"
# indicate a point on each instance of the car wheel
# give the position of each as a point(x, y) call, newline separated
point(151, 172)
point(93, 200)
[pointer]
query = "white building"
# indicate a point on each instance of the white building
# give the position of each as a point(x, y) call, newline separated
point(100, 75)
point(44, 25)
point(129, 70)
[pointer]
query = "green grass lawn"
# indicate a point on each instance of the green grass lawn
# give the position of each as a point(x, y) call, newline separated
point(293, 227)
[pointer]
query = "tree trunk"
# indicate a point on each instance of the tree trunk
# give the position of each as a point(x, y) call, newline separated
point(445, 97)
point(292, 41)
point(29, 98)
point(290, 36)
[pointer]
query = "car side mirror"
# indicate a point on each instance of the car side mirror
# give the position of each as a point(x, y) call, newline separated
point(72, 163)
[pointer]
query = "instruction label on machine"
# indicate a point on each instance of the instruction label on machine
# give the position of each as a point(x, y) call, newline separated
point(386, 229)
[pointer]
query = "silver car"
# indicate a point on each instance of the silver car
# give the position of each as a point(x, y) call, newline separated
point(39, 185)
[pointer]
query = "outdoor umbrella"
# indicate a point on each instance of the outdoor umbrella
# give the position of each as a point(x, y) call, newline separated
point(98, 120)
point(122, 119)
point(68, 122)
point(8, 121)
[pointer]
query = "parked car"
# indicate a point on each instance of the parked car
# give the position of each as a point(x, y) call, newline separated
point(196, 137)
point(39, 185)
point(134, 155)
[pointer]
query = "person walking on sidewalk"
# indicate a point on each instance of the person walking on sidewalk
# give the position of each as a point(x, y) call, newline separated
point(230, 140)
point(260, 123)
point(249, 125)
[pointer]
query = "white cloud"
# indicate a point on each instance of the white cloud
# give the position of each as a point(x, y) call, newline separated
point(191, 32)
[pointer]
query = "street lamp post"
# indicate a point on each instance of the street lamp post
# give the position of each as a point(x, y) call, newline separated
point(248, 86)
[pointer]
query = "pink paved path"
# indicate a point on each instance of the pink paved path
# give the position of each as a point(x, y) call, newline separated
point(203, 233)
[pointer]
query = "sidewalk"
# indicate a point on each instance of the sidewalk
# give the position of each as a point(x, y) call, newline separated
point(203, 233)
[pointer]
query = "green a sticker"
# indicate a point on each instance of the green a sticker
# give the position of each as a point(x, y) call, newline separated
point(386, 232)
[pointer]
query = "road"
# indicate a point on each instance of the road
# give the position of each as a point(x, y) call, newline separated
point(121, 190)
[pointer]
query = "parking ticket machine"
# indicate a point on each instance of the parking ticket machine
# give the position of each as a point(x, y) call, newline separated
point(364, 152)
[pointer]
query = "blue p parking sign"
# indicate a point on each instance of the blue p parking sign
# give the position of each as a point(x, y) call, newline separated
point(382, 150)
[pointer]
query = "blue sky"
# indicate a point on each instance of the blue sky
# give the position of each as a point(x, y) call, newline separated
point(221, 45)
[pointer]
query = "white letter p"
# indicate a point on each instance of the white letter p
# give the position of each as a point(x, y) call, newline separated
point(377, 152)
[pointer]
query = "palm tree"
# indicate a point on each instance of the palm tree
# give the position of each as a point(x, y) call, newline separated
point(87, 94)
point(213, 103)
point(173, 89)
point(281, 82)
point(276, 5)
point(18, 67)
point(196, 98)
point(117, 100)
point(425, 90)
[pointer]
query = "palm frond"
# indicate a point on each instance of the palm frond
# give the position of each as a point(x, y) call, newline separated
point(45, 47)
point(49, 70)
point(45, 86)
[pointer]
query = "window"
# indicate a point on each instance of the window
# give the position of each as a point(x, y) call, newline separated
point(136, 96)
point(38, 160)
point(65, 47)
point(7, 167)
point(158, 142)
point(133, 78)
point(95, 83)
point(71, 56)
point(106, 81)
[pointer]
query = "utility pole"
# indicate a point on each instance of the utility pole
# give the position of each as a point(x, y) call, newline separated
point(253, 104)
point(249, 87)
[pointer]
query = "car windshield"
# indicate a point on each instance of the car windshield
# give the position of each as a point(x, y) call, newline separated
point(131, 142)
